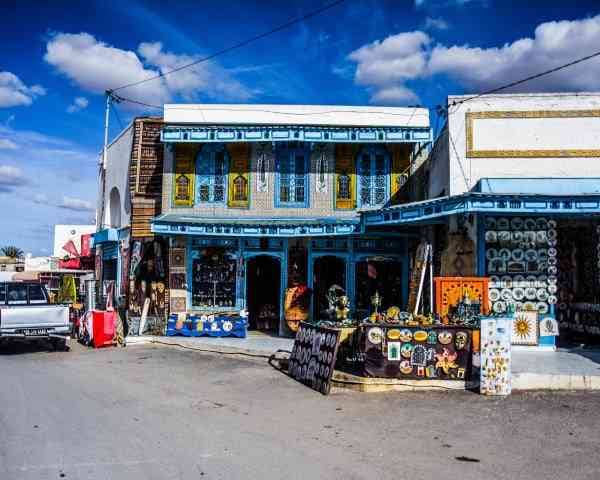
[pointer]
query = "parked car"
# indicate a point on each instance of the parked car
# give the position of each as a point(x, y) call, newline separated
point(26, 314)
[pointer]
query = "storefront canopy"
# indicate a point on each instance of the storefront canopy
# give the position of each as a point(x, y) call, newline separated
point(176, 224)
point(493, 196)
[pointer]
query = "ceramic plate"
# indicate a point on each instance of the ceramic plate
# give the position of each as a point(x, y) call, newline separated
point(518, 254)
point(506, 294)
point(552, 252)
point(518, 281)
point(541, 223)
point(551, 223)
point(499, 307)
point(542, 254)
point(516, 237)
point(491, 236)
point(541, 237)
point(529, 224)
point(518, 306)
point(516, 223)
point(531, 255)
point(552, 261)
point(552, 299)
point(529, 237)
point(552, 289)
point(542, 308)
point(490, 223)
point(506, 281)
point(552, 280)
point(502, 224)
point(494, 294)
point(542, 294)
point(518, 294)
point(531, 293)
point(552, 235)
point(529, 306)
point(491, 253)
point(552, 243)
point(504, 237)
point(552, 270)
point(504, 254)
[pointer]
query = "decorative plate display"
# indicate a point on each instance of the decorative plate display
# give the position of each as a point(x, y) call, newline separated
point(552, 280)
point(504, 237)
point(552, 299)
point(516, 223)
point(506, 294)
point(494, 294)
point(506, 281)
point(490, 223)
point(405, 335)
point(445, 337)
point(491, 236)
point(375, 335)
point(552, 235)
point(393, 334)
point(518, 281)
point(541, 223)
point(531, 255)
point(552, 261)
point(552, 252)
point(497, 265)
point(504, 254)
point(531, 293)
point(499, 307)
point(518, 254)
point(405, 367)
point(552, 289)
point(406, 350)
point(516, 238)
point(542, 294)
point(518, 294)
point(529, 224)
point(553, 242)
point(420, 336)
point(542, 254)
point(542, 308)
point(551, 223)
point(502, 224)
point(552, 270)
point(491, 253)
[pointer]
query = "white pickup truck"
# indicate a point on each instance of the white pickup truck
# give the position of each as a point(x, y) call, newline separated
point(26, 314)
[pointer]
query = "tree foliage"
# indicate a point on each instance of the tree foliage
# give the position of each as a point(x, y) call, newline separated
point(12, 252)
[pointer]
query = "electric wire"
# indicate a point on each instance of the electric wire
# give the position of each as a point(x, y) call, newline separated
point(235, 46)
point(114, 109)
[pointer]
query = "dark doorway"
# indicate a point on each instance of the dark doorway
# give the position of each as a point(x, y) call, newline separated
point(263, 294)
point(383, 276)
point(329, 270)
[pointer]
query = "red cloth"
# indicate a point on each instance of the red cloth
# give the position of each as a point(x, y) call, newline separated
point(86, 239)
point(71, 249)
point(72, 263)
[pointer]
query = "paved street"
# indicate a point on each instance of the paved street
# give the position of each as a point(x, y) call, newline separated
point(151, 412)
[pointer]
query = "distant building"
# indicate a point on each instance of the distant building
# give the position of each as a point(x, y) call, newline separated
point(10, 264)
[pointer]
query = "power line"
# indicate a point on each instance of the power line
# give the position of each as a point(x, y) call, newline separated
point(237, 45)
point(114, 109)
point(119, 98)
point(528, 79)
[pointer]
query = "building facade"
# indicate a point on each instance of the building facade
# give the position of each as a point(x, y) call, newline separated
point(261, 203)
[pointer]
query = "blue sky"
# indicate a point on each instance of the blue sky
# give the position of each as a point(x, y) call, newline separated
point(58, 57)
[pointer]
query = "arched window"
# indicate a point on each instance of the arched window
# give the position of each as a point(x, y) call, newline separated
point(212, 165)
point(182, 188)
point(240, 189)
point(373, 170)
point(343, 188)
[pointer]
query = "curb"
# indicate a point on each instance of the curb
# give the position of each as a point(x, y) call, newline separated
point(535, 381)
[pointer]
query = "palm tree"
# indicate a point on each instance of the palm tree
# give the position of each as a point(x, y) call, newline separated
point(12, 252)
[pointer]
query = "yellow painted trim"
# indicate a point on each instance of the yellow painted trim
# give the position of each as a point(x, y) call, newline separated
point(472, 153)
point(400, 167)
point(345, 161)
point(184, 159)
point(239, 164)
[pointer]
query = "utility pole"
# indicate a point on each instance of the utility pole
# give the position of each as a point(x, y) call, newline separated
point(102, 172)
point(106, 114)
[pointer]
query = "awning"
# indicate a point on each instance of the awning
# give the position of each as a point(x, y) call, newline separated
point(177, 224)
point(434, 211)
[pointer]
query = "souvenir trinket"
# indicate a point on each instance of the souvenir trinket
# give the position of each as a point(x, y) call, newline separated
point(375, 335)
point(446, 360)
point(393, 334)
point(393, 351)
point(405, 367)
point(445, 337)
point(406, 350)
point(420, 336)
point(432, 337)
point(405, 335)
point(420, 371)
point(430, 371)
point(460, 340)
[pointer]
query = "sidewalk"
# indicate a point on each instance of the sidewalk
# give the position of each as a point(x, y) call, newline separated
point(574, 369)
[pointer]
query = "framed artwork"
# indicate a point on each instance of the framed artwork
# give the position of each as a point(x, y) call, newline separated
point(177, 259)
point(525, 328)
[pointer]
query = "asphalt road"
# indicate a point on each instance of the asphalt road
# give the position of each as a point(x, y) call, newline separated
point(149, 412)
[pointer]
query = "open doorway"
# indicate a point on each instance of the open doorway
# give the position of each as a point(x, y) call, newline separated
point(328, 270)
point(382, 276)
point(263, 294)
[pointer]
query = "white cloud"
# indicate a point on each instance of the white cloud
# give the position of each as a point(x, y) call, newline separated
point(77, 204)
point(40, 199)
point(96, 66)
point(10, 178)
point(6, 144)
point(385, 67)
point(79, 103)
point(432, 23)
point(13, 92)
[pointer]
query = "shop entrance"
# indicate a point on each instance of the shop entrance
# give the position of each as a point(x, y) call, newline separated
point(263, 294)
point(378, 275)
point(328, 270)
